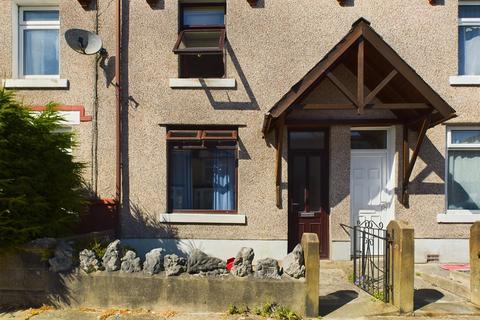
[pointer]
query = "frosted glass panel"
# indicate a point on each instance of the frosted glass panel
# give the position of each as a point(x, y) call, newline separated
point(469, 48)
point(40, 55)
point(41, 15)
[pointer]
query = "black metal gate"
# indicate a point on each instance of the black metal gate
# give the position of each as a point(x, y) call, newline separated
point(371, 258)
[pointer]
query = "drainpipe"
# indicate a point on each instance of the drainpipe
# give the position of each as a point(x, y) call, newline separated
point(118, 119)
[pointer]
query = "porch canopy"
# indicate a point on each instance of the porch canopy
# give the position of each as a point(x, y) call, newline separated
point(362, 81)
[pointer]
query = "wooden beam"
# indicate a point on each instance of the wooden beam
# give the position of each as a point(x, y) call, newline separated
point(302, 87)
point(380, 86)
point(400, 106)
point(361, 76)
point(342, 88)
point(278, 162)
point(406, 158)
point(416, 150)
point(328, 106)
point(351, 122)
point(406, 71)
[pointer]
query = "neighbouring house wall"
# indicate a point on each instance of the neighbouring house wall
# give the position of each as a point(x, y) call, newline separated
point(269, 49)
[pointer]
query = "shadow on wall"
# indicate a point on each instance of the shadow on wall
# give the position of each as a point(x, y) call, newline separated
point(251, 104)
point(24, 276)
point(435, 163)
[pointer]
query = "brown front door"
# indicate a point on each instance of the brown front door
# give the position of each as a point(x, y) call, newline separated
point(308, 187)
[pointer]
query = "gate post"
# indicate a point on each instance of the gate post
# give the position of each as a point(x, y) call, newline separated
point(402, 267)
point(311, 247)
point(475, 263)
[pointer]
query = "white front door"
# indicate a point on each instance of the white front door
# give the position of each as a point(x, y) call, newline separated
point(371, 176)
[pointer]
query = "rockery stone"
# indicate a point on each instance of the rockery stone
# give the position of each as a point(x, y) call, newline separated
point(174, 265)
point(62, 260)
point(293, 264)
point(200, 262)
point(130, 262)
point(267, 269)
point(111, 259)
point(242, 265)
point(88, 261)
point(153, 261)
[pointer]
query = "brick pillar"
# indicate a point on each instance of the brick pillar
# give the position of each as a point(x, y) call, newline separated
point(475, 263)
point(311, 247)
point(402, 268)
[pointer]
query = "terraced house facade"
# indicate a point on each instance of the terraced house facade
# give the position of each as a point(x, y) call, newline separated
point(222, 124)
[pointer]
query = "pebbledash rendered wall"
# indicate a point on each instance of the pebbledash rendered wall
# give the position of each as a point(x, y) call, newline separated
point(269, 49)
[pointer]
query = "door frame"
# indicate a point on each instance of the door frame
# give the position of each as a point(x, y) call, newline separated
point(291, 229)
point(391, 165)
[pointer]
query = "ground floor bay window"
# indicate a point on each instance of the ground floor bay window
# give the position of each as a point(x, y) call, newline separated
point(202, 171)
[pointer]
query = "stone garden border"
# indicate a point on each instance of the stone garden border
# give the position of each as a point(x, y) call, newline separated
point(25, 280)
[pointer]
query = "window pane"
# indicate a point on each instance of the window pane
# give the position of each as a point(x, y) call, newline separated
point(469, 11)
point(307, 140)
point(41, 15)
point(203, 16)
point(40, 52)
point(315, 183)
point(465, 136)
point(469, 48)
point(368, 139)
point(203, 66)
point(203, 179)
point(463, 180)
point(201, 40)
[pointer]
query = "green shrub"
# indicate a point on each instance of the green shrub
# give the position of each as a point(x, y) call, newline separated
point(41, 187)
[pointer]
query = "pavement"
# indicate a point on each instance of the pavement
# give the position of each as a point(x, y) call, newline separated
point(339, 299)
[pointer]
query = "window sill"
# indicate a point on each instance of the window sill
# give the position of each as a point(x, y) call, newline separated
point(202, 83)
point(47, 83)
point(464, 80)
point(458, 217)
point(212, 218)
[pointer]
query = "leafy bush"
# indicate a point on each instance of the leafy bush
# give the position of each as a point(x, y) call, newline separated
point(41, 192)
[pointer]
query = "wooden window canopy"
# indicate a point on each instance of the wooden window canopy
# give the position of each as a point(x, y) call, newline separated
point(200, 41)
point(85, 3)
point(202, 135)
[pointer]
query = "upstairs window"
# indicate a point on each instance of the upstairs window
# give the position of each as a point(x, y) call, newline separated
point(469, 38)
point(202, 171)
point(38, 42)
point(200, 43)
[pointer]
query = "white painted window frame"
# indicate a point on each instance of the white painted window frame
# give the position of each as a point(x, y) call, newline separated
point(459, 80)
point(21, 26)
point(457, 216)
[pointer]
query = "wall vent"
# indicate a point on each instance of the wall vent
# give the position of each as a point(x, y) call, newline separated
point(433, 258)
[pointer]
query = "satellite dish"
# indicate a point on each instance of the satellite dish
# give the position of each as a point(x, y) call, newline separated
point(83, 41)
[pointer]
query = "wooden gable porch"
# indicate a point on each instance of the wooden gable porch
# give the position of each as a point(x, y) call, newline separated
point(362, 81)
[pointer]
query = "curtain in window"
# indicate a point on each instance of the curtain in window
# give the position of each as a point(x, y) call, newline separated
point(463, 180)
point(181, 179)
point(469, 49)
point(224, 180)
point(40, 52)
